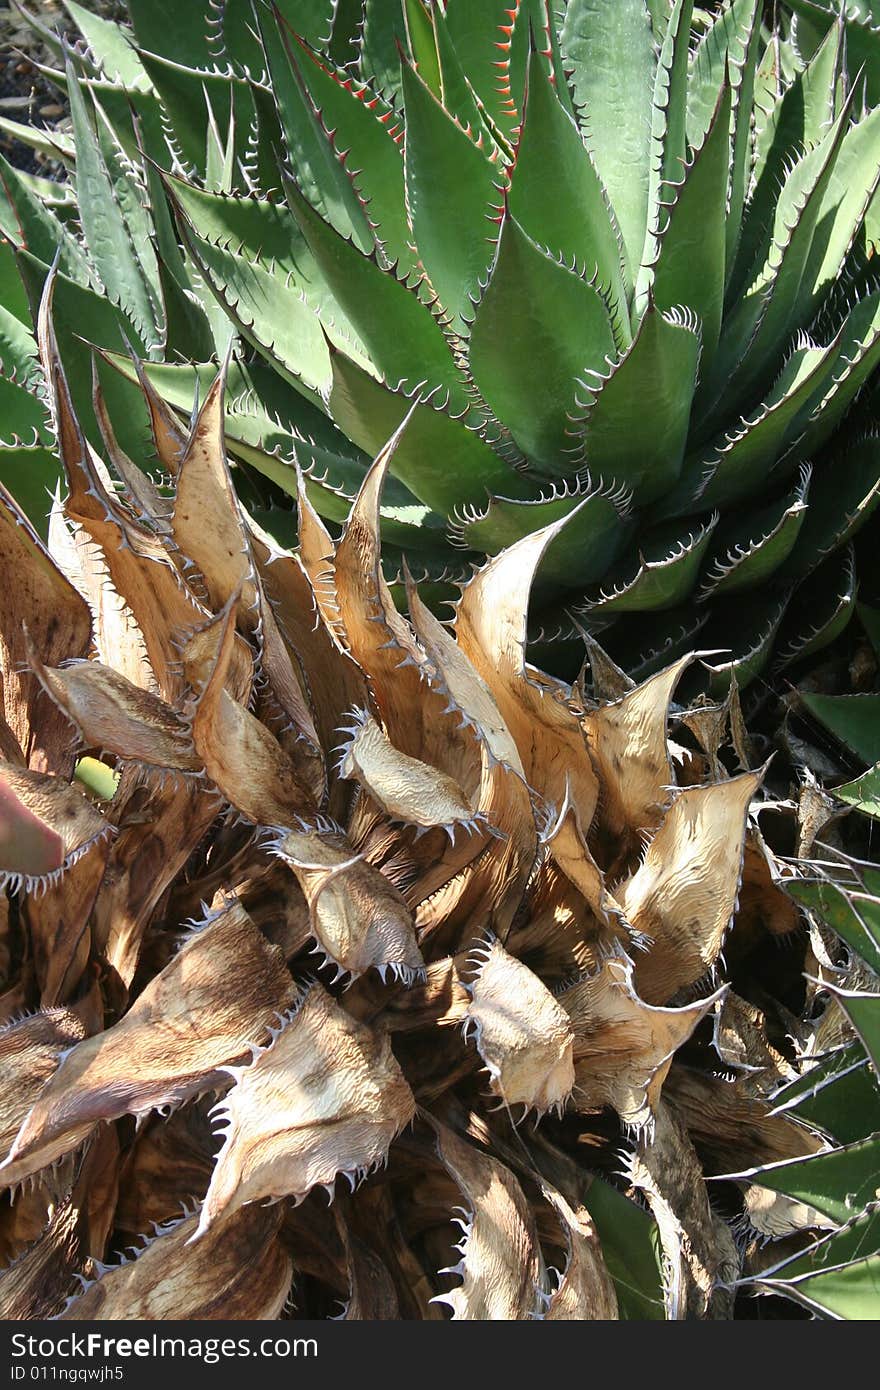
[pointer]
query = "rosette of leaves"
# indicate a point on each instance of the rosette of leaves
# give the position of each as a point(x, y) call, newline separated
point(307, 902)
point(620, 259)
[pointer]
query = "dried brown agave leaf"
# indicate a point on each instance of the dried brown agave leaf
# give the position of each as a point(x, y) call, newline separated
point(58, 924)
point(358, 918)
point(137, 563)
point(111, 713)
point(142, 494)
point(490, 625)
point(628, 743)
point(371, 1293)
point(741, 1041)
point(30, 1051)
point(239, 1271)
point(502, 1269)
point(38, 1283)
point(326, 1097)
point(774, 1215)
point(763, 904)
point(440, 999)
point(522, 1033)
point(239, 753)
point(571, 853)
point(46, 825)
point(585, 1291)
point(624, 1047)
point(117, 639)
point(36, 593)
point(168, 1166)
point(220, 993)
point(683, 895)
point(317, 555)
point(405, 788)
point(730, 1126)
point(700, 1257)
point(210, 531)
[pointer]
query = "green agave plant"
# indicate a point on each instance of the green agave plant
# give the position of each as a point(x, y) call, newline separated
point(618, 258)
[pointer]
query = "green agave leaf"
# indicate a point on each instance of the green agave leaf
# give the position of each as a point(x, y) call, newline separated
point(422, 44)
point(104, 225)
point(862, 24)
point(863, 1012)
point(369, 413)
point(492, 41)
point(724, 44)
point(269, 312)
point(31, 474)
point(608, 52)
point(796, 120)
point(556, 194)
point(846, 491)
point(110, 46)
point(96, 777)
point(631, 1250)
point(383, 27)
point(820, 609)
point(749, 549)
point(632, 424)
point(837, 1277)
point(405, 342)
point(668, 150)
point(185, 94)
point(689, 249)
point(169, 29)
point(642, 646)
point(323, 179)
point(23, 416)
point(863, 793)
point(839, 1095)
point(854, 916)
point(597, 528)
point(850, 189)
point(748, 630)
point(52, 144)
point(451, 229)
point(737, 464)
point(18, 349)
point(536, 310)
point(840, 1183)
point(853, 719)
point(33, 227)
point(663, 574)
point(858, 355)
point(365, 131)
point(456, 94)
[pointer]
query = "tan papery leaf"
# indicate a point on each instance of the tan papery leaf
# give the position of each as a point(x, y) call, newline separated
point(326, 1097)
point(240, 1271)
point(683, 894)
point(522, 1033)
point(624, 1047)
point(30, 1051)
point(405, 788)
point(220, 993)
point(502, 1272)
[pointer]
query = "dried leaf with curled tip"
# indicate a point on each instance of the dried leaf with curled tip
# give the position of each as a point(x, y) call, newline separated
point(30, 1050)
point(585, 1290)
point(110, 712)
point(58, 620)
point(38, 1283)
point(218, 995)
point(239, 753)
point(239, 1271)
point(358, 918)
point(629, 748)
point(683, 894)
point(522, 1033)
point(775, 1214)
point(46, 825)
point(405, 788)
point(325, 1097)
point(490, 625)
point(503, 1278)
point(624, 1047)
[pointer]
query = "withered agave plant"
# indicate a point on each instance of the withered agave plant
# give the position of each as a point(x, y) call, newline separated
point(366, 891)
